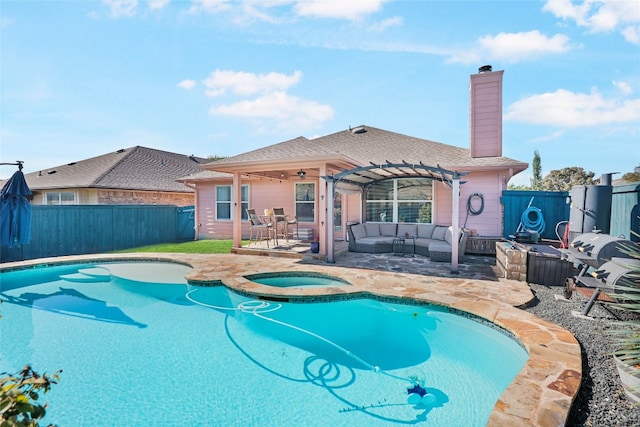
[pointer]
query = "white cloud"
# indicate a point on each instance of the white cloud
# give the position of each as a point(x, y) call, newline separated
point(632, 34)
point(158, 4)
point(121, 8)
point(243, 83)
point(623, 87)
point(383, 25)
point(553, 136)
point(340, 9)
point(513, 47)
point(187, 84)
point(600, 15)
point(246, 10)
point(286, 110)
point(210, 6)
point(568, 109)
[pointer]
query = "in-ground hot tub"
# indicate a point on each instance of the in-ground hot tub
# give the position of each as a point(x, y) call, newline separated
point(297, 279)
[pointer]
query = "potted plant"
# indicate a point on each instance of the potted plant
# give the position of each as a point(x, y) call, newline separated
point(626, 335)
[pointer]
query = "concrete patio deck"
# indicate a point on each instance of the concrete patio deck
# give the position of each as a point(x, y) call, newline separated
point(542, 393)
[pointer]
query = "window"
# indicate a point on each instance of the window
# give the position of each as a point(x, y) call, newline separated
point(305, 201)
point(223, 202)
point(400, 200)
point(60, 198)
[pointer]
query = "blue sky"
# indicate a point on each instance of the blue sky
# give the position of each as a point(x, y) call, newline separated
point(218, 77)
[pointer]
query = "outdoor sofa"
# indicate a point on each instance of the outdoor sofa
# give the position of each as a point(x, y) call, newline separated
point(431, 240)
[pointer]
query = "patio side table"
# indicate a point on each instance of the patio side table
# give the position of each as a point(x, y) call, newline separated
point(398, 246)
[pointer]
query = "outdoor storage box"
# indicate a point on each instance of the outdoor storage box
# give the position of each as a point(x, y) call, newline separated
point(546, 267)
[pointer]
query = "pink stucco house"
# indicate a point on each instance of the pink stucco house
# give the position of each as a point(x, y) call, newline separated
point(364, 174)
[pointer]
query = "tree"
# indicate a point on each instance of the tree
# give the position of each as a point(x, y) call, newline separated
point(565, 179)
point(536, 181)
point(424, 214)
point(632, 176)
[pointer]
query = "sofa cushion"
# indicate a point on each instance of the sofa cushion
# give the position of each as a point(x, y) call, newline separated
point(425, 242)
point(425, 231)
point(388, 229)
point(376, 240)
point(359, 231)
point(448, 235)
point(439, 232)
point(410, 229)
point(439, 246)
point(373, 229)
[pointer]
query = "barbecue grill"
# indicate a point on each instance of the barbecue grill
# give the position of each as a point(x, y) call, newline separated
point(607, 277)
point(594, 249)
point(602, 262)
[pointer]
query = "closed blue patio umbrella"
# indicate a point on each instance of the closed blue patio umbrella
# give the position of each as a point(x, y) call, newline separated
point(15, 211)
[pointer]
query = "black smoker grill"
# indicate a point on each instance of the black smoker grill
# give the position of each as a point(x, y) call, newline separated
point(601, 262)
point(594, 249)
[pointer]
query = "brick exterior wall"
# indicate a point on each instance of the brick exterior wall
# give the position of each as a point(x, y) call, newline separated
point(119, 197)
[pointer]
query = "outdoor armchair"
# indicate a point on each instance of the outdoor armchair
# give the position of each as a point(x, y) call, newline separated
point(286, 221)
point(261, 225)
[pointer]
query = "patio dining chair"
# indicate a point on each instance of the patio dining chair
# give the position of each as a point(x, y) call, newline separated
point(286, 220)
point(259, 224)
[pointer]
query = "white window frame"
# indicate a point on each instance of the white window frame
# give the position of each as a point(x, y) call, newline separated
point(308, 202)
point(395, 201)
point(45, 198)
point(244, 204)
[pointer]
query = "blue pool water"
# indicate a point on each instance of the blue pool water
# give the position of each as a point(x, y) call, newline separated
point(165, 353)
point(287, 279)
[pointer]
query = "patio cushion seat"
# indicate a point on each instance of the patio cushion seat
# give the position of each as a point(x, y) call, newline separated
point(440, 251)
point(422, 246)
point(375, 245)
point(430, 240)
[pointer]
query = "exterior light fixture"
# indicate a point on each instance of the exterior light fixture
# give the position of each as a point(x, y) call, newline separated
point(301, 174)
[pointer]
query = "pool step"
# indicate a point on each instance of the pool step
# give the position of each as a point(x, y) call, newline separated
point(86, 275)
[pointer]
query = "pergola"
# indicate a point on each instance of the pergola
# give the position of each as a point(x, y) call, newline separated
point(356, 180)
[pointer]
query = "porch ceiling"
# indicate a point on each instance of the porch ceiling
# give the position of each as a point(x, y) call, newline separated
point(353, 180)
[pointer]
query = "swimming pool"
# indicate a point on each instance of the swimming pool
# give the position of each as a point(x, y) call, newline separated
point(169, 353)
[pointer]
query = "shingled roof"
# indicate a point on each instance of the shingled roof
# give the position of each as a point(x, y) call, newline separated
point(134, 168)
point(365, 145)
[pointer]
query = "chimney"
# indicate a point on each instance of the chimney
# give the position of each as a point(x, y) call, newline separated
point(485, 112)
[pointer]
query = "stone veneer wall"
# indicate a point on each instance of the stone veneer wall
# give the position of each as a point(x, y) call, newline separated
point(512, 261)
point(113, 197)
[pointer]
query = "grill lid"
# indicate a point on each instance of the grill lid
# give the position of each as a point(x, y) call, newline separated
point(596, 249)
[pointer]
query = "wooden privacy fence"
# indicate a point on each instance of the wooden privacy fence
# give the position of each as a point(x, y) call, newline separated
point(555, 207)
point(625, 210)
point(552, 204)
point(87, 229)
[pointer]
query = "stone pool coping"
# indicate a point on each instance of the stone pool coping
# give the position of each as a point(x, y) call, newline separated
point(540, 395)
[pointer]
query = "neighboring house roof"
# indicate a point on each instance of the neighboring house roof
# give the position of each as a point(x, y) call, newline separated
point(366, 144)
point(135, 168)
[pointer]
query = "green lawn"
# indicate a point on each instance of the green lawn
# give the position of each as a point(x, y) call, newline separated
point(194, 247)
